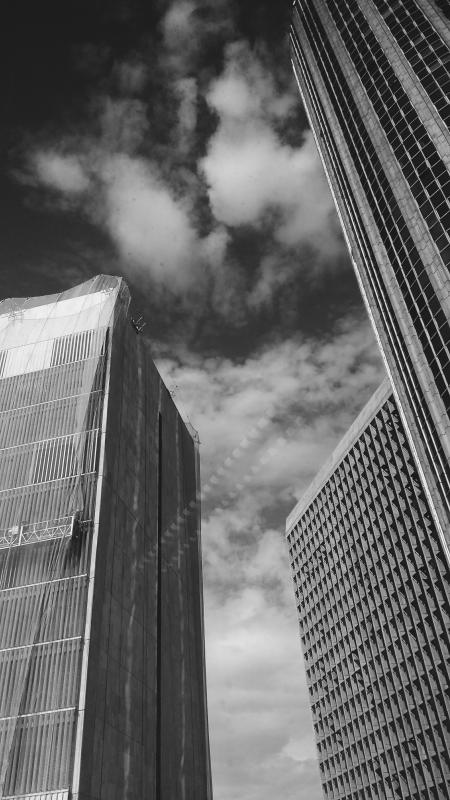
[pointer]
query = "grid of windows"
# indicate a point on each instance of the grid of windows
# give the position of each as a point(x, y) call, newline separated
point(422, 166)
point(365, 156)
point(406, 262)
point(373, 597)
point(424, 49)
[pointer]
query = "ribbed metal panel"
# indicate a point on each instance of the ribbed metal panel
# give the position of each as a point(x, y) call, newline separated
point(46, 420)
point(50, 673)
point(26, 565)
point(41, 751)
point(48, 500)
point(64, 795)
point(51, 398)
point(45, 611)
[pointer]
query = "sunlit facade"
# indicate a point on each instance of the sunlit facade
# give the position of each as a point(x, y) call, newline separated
point(373, 598)
point(369, 542)
point(102, 684)
point(374, 77)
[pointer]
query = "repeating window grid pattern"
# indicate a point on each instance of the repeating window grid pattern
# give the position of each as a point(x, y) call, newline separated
point(41, 620)
point(423, 47)
point(380, 297)
point(426, 313)
point(424, 170)
point(373, 602)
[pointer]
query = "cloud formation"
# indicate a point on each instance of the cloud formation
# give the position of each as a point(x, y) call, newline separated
point(63, 173)
point(251, 174)
point(266, 424)
point(149, 225)
point(173, 208)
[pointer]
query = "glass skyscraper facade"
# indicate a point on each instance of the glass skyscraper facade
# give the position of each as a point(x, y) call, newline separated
point(372, 590)
point(369, 541)
point(374, 76)
point(102, 684)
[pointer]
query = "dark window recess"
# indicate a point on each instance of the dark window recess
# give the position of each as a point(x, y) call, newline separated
point(421, 44)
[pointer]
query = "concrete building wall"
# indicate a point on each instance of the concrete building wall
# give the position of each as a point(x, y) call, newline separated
point(372, 588)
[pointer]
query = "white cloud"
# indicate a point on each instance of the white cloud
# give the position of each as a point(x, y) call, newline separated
point(187, 26)
point(148, 202)
point(251, 173)
point(247, 90)
point(122, 124)
point(321, 383)
point(63, 173)
point(149, 225)
point(260, 725)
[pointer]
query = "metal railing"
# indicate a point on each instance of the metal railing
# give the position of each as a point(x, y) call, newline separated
point(33, 532)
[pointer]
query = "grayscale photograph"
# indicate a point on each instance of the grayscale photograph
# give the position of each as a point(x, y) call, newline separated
point(225, 400)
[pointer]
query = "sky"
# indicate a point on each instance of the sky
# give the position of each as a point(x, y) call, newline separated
point(166, 142)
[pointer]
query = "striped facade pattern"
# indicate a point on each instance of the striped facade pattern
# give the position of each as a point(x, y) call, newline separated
point(375, 80)
point(51, 397)
point(373, 596)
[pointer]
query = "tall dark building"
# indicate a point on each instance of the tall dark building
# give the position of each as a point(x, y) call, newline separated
point(369, 542)
point(374, 77)
point(102, 676)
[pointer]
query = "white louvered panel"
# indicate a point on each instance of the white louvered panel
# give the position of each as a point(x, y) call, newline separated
point(42, 355)
point(59, 795)
point(41, 752)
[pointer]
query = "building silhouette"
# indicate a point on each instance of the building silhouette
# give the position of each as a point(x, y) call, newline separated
point(371, 584)
point(102, 681)
point(370, 540)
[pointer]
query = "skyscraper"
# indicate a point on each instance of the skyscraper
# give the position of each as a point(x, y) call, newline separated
point(374, 76)
point(369, 542)
point(102, 682)
point(372, 589)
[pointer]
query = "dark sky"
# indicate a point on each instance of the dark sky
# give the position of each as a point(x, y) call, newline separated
point(166, 142)
point(61, 61)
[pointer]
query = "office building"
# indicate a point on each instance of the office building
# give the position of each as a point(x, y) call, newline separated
point(373, 597)
point(374, 77)
point(102, 675)
point(369, 542)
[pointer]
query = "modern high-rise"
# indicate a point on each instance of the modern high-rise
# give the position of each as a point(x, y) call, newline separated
point(369, 541)
point(372, 590)
point(375, 81)
point(102, 674)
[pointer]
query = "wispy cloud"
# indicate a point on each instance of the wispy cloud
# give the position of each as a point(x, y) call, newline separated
point(173, 206)
point(255, 178)
point(266, 423)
